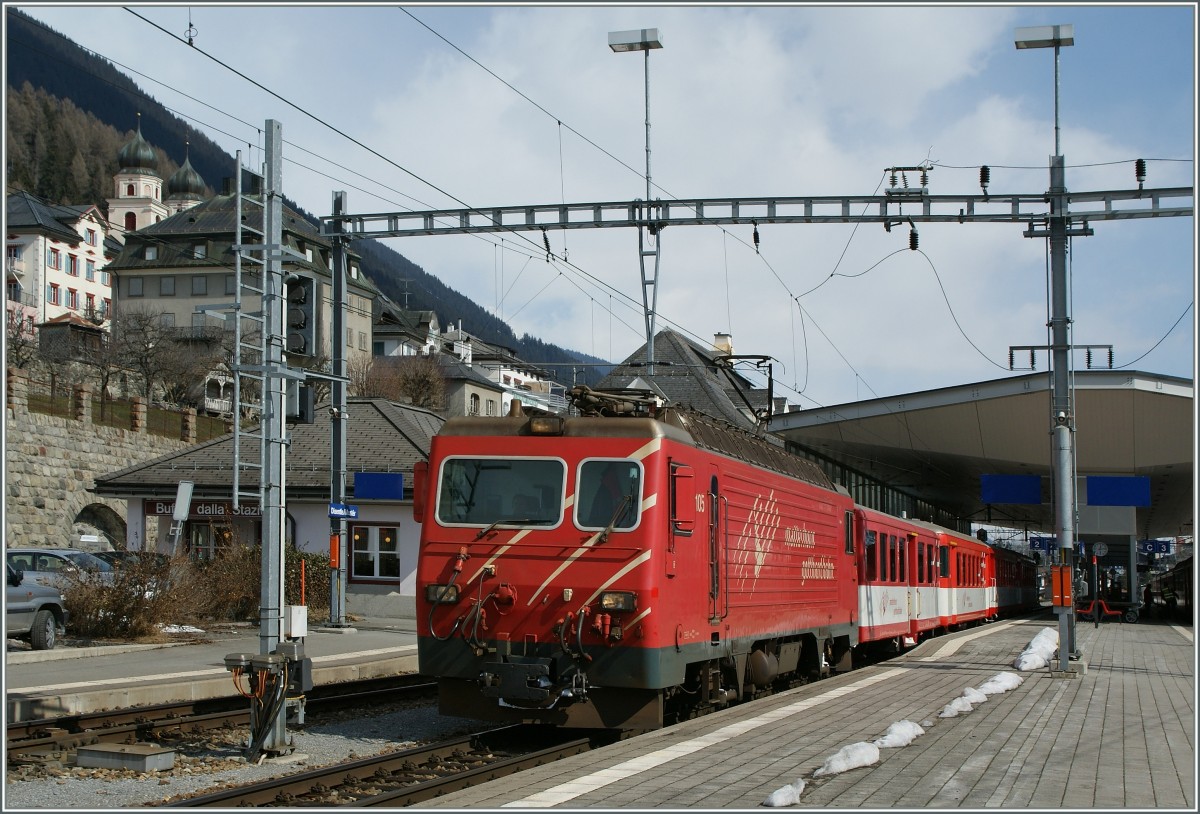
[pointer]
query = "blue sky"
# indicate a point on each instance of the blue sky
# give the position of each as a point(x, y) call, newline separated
point(745, 101)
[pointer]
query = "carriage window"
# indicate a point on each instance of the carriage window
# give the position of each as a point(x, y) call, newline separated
point(608, 493)
point(891, 557)
point(849, 532)
point(900, 554)
point(517, 491)
point(869, 556)
point(943, 561)
point(920, 562)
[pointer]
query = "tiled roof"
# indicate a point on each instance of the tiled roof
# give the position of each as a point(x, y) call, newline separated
point(685, 373)
point(216, 217)
point(23, 211)
point(381, 436)
point(455, 369)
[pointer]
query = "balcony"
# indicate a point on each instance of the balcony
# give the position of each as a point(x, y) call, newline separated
point(16, 295)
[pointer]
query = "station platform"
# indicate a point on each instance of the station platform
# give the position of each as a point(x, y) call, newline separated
point(71, 680)
point(1119, 733)
point(1116, 732)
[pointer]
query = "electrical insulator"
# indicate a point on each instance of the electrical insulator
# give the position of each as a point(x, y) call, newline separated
point(1110, 358)
point(893, 179)
point(985, 177)
point(912, 240)
point(755, 236)
point(1089, 358)
point(546, 240)
point(904, 178)
point(1139, 169)
point(1033, 360)
point(1010, 358)
point(924, 177)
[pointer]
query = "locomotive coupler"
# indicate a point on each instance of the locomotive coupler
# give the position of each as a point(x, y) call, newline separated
point(578, 689)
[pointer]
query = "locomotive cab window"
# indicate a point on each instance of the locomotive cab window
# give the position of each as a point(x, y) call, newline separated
point(608, 493)
point(501, 491)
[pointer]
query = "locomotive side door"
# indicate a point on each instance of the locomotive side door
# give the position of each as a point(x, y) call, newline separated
point(943, 582)
point(718, 596)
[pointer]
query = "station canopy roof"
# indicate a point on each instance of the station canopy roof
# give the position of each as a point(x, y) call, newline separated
point(937, 444)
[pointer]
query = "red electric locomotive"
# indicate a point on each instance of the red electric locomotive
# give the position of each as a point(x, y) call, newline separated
point(640, 564)
point(618, 572)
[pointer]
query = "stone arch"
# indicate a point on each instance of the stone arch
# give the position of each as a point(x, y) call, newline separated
point(105, 520)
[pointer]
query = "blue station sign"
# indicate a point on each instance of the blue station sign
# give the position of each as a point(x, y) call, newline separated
point(1154, 546)
point(343, 510)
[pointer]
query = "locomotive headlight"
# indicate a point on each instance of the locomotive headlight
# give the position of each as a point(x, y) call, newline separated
point(618, 601)
point(546, 425)
point(441, 594)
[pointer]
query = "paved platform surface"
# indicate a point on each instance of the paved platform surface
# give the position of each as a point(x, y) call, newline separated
point(70, 680)
point(1121, 734)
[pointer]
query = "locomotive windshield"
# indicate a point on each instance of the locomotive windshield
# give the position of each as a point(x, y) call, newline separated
point(485, 491)
point(609, 493)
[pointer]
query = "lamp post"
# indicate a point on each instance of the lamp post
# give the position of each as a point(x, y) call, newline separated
point(1061, 409)
point(645, 40)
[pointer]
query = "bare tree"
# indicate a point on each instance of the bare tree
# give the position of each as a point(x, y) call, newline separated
point(422, 381)
point(144, 344)
point(415, 379)
point(104, 359)
point(20, 342)
point(370, 377)
point(186, 368)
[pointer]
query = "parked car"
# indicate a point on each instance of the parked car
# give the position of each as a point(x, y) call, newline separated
point(55, 567)
point(119, 558)
point(32, 611)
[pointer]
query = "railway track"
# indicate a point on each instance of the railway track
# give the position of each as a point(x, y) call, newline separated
point(402, 778)
point(37, 739)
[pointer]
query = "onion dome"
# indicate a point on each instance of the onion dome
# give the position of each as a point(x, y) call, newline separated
point(137, 154)
point(186, 182)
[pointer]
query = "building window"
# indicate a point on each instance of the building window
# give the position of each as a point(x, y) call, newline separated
point(167, 319)
point(166, 286)
point(130, 218)
point(199, 251)
point(90, 237)
point(362, 341)
point(53, 295)
point(135, 286)
point(349, 337)
point(14, 252)
point(375, 553)
point(199, 285)
point(14, 291)
point(491, 406)
point(91, 270)
point(91, 304)
point(473, 407)
point(151, 253)
point(230, 284)
point(54, 259)
point(105, 307)
point(72, 265)
point(104, 278)
point(129, 193)
point(72, 299)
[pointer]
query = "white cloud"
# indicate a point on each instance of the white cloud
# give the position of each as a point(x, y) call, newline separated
point(782, 101)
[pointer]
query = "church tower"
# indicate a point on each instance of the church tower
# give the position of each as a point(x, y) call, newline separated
point(185, 188)
point(138, 187)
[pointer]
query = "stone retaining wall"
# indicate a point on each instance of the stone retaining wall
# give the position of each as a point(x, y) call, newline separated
point(50, 463)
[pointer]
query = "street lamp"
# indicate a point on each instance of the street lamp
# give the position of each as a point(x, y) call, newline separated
point(645, 40)
point(1061, 411)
